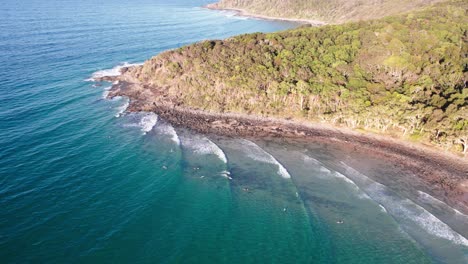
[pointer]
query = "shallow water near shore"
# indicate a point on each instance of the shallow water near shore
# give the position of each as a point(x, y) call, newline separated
point(81, 180)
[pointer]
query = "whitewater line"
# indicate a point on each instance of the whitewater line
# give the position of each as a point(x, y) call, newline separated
point(360, 193)
point(164, 128)
point(425, 197)
point(121, 109)
point(145, 121)
point(259, 154)
point(203, 146)
point(405, 209)
point(113, 72)
point(148, 121)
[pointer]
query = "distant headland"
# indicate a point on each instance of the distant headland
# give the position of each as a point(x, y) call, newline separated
point(321, 12)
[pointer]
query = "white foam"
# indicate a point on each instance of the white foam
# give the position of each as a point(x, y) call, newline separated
point(226, 174)
point(202, 145)
point(148, 121)
point(121, 109)
point(166, 129)
point(257, 153)
point(383, 208)
point(431, 223)
point(116, 71)
point(309, 159)
point(344, 178)
point(233, 15)
point(105, 94)
point(241, 18)
point(116, 98)
point(334, 174)
point(460, 213)
point(228, 13)
point(143, 120)
point(405, 210)
point(323, 169)
point(360, 193)
point(428, 199)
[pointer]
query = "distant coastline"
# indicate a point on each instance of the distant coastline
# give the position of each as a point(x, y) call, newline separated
point(241, 12)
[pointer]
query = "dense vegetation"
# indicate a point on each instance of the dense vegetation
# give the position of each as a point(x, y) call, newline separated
point(331, 11)
point(404, 75)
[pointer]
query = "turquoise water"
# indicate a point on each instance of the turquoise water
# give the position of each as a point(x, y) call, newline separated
point(83, 182)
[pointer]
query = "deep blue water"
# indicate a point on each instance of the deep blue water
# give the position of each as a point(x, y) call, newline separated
point(82, 182)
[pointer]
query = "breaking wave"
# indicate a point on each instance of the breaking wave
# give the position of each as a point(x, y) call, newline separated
point(383, 208)
point(105, 94)
point(204, 146)
point(144, 120)
point(425, 198)
point(233, 15)
point(148, 121)
point(226, 174)
point(168, 130)
point(116, 71)
point(406, 211)
point(428, 198)
point(344, 178)
point(257, 153)
point(335, 174)
point(121, 109)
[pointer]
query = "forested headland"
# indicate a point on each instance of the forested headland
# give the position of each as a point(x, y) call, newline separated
point(404, 75)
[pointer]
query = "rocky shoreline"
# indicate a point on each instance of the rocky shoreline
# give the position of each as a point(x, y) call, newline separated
point(444, 173)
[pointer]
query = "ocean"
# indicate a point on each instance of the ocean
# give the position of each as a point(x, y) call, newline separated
point(83, 181)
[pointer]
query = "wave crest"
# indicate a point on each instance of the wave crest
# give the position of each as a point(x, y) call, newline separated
point(148, 121)
point(204, 146)
point(404, 209)
point(168, 130)
point(121, 109)
point(144, 120)
point(257, 153)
